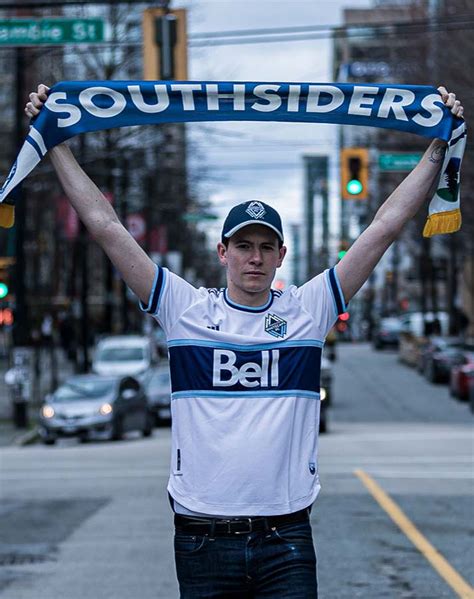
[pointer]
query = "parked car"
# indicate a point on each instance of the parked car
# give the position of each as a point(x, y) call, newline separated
point(124, 355)
point(160, 341)
point(91, 405)
point(461, 376)
point(325, 393)
point(387, 333)
point(415, 332)
point(438, 357)
point(158, 390)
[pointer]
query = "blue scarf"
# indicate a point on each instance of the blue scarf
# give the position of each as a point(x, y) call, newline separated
point(80, 106)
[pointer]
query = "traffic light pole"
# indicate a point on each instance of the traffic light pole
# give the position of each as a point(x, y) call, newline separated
point(20, 329)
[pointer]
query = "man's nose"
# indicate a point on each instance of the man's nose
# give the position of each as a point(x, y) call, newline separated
point(256, 257)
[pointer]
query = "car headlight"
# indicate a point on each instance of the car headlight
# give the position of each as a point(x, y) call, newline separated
point(105, 409)
point(322, 393)
point(47, 412)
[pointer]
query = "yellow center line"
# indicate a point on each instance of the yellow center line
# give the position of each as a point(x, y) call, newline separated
point(439, 563)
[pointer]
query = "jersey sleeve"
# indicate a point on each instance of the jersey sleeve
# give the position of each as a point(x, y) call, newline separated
point(322, 297)
point(170, 296)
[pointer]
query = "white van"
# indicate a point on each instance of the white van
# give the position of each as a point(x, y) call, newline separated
point(413, 322)
point(124, 355)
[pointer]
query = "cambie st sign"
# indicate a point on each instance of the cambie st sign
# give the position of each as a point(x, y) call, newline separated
point(30, 32)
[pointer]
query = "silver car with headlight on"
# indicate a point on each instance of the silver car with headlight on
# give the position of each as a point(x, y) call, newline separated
point(90, 405)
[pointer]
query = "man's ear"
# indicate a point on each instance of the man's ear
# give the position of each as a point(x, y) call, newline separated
point(283, 251)
point(222, 253)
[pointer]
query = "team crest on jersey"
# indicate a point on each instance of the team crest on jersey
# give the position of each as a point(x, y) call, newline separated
point(256, 210)
point(275, 326)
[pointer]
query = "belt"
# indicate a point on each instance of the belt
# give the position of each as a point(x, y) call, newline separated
point(236, 526)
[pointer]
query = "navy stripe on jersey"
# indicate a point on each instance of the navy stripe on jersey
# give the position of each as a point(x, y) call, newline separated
point(201, 369)
point(156, 292)
point(336, 291)
point(250, 309)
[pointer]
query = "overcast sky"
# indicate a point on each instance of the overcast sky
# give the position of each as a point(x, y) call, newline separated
point(262, 160)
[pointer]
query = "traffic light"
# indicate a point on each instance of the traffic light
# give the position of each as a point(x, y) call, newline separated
point(165, 44)
point(354, 173)
point(5, 264)
point(6, 317)
point(343, 247)
point(342, 322)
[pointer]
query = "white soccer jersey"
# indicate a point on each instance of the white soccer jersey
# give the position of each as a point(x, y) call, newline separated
point(245, 394)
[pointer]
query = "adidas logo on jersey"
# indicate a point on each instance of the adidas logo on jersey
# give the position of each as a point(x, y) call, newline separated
point(250, 374)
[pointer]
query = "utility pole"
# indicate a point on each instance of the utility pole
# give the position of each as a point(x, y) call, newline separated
point(122, 197)
point(316, 175)
point(84, 270)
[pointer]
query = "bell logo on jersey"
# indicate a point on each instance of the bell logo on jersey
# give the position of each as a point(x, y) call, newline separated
point(250, 374)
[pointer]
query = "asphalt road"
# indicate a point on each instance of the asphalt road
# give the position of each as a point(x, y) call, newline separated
point(93, 520)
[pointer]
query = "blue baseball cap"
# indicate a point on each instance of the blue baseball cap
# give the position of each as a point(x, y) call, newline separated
point(252, 212)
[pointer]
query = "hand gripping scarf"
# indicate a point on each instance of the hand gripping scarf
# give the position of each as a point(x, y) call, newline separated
point(80, 106)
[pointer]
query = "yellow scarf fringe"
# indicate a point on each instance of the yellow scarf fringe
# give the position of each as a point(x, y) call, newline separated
point(442, 222)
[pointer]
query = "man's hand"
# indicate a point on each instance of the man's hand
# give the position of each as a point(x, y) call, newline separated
point(37, 100)
point(450, 101)
point(356, 266)
point(95, 211)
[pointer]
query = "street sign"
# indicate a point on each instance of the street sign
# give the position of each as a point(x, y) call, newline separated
point(399, 162)
point(30, 32)
point(193, 217)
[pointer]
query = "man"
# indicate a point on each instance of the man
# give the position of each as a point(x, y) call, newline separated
point(245, 376)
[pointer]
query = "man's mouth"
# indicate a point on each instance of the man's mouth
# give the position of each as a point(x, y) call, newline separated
point(255, 273)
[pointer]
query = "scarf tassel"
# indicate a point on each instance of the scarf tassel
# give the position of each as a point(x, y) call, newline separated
point(442, 222)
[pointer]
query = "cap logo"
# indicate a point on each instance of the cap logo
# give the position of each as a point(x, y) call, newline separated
point(256, 210)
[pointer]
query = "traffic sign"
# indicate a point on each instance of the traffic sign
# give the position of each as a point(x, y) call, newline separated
point(399, 162)
point(30, 32)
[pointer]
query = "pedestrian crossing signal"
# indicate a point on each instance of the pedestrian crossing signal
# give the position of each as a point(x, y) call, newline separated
point(354, 173)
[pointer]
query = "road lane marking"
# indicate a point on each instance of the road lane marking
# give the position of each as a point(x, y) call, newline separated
point(456, 475)
point(392, 459)
point(439, 563)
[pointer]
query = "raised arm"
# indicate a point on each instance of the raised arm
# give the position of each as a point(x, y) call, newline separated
point(401, 206)
point(100, 219)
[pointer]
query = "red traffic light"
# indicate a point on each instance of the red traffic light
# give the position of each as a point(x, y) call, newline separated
point(6, 317)
point(344, 317)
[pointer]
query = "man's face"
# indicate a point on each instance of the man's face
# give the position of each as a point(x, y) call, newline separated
point(251, 258)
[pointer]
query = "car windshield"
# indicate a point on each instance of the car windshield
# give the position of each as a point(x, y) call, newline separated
point(86, 389)
point(391, 324)
point(159, 379)
point(451, 350)
point(120, 354)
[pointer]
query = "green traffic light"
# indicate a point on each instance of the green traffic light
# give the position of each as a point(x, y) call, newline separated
point(3, 290)
point(354, 187)
point(341, 254)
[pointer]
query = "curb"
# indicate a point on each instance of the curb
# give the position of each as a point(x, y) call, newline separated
point(27, 438)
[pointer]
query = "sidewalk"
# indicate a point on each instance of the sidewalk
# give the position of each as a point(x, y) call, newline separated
point(9, 435)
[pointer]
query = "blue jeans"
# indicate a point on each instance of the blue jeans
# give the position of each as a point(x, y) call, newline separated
point(277, 564)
